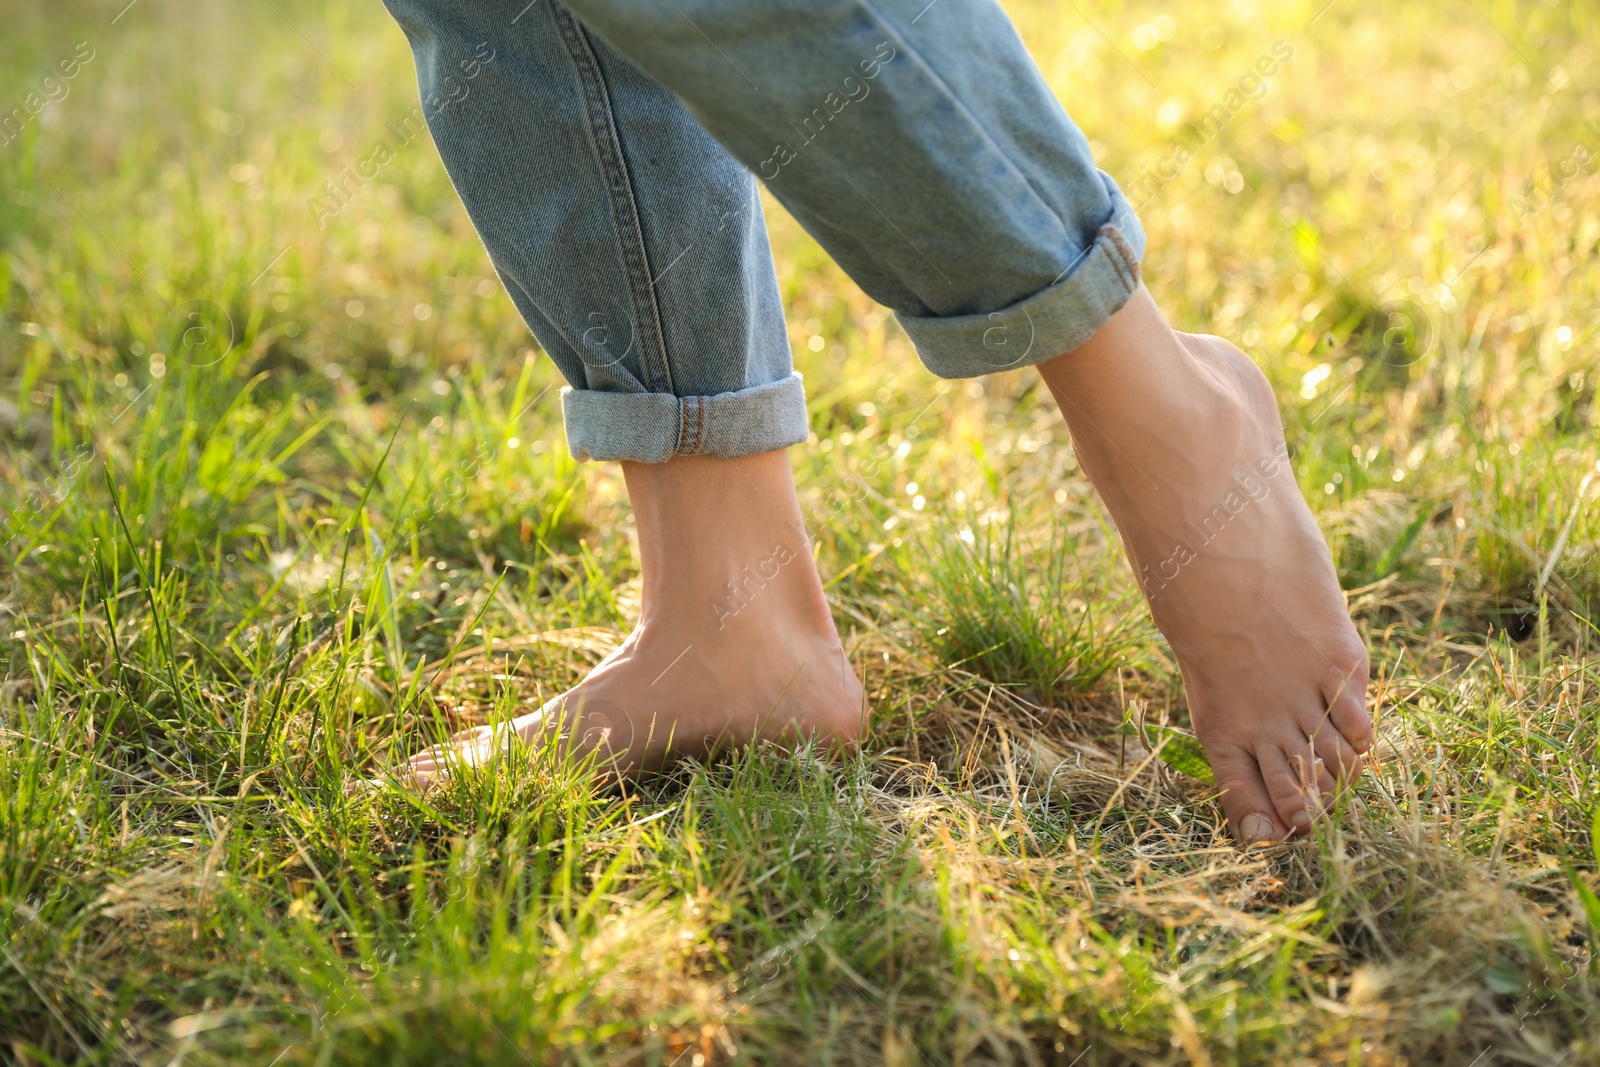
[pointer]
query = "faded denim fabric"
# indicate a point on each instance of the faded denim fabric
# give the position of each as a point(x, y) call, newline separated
point(607, 152)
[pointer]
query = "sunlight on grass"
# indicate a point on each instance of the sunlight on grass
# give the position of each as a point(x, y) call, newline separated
point(1039, 617)
point(284, 498)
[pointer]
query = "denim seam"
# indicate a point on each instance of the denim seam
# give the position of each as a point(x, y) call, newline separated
point(683, 425)
point(624, 210)
point(1114, 256)
point(683, 446)
point(699, 425)
point(1125, 252)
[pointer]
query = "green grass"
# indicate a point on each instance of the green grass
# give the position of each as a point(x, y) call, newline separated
point(284, 502)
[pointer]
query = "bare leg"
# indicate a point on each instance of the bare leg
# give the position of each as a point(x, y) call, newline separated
point(1180, 434)
point(734, 640)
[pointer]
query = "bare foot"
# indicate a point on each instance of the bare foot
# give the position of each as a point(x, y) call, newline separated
point(735, 641)
point(1181, 435)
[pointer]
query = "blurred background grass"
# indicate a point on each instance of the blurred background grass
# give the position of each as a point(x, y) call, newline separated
point(345, 520)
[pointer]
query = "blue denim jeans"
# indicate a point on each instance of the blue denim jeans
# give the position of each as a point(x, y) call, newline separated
point(607, 152)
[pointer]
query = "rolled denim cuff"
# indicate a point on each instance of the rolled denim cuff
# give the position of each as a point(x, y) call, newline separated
point(654, 427)
point(1054, 320)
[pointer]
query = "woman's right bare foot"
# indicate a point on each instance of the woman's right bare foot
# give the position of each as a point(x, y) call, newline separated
point(1181, 436)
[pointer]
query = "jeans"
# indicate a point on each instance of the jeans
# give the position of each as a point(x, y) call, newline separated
point(607, 152)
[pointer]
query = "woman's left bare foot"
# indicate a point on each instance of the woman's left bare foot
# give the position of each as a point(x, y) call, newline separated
point(735, 641)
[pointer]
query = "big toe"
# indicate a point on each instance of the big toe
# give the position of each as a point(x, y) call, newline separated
point(1246, 800)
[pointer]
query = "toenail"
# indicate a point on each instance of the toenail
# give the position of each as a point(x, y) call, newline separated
point(1256, 827)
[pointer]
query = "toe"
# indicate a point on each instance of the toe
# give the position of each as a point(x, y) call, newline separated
point(1284, 786)
point(1336, 753)
point(415, 775)
point(1347, 703)
point(1249, 806)
point(1327, 786)
point(1316, 781)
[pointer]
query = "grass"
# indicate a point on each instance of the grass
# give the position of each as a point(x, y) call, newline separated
point(284, 501)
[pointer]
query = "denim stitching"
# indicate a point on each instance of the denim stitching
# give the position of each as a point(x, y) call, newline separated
point(625, 214)
point(1103, 240)
point(683, 446)
point(1124, 252)
point(1128, 254)
point(683, 426)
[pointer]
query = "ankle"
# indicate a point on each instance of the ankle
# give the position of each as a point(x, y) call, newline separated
point(1149, 405)
point(722, 541)
point(701, 508)
point(1138, 369)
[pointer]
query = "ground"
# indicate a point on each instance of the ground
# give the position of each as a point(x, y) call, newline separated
point(285, 498)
